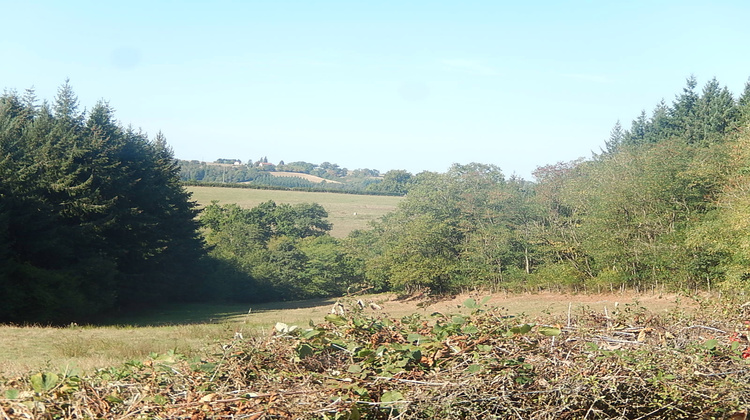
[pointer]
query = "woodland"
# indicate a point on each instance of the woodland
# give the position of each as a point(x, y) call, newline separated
point(94, 218)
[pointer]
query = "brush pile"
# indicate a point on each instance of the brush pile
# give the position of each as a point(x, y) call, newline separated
point(622, 363)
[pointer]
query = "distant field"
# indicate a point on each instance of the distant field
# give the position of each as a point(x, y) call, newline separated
point(311, 178)
point(347, 212)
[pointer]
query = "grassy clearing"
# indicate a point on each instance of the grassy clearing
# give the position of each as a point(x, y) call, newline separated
point(463, 358)
point(194, 329)
point(347, 212)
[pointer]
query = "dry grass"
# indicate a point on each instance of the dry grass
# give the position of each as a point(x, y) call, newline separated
point(31, 349)
point(347, 212)
point(192, 329)
point(594, 360)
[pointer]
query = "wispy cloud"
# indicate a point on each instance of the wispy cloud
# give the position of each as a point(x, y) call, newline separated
point(469, 66)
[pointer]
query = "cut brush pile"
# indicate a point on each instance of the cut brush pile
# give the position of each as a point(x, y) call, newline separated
point(625, 363)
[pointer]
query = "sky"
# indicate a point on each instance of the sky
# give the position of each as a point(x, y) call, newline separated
point(414, 85)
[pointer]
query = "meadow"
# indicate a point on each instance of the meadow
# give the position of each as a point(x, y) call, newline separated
point(199, 329)
point(536, 356)
point(347, 212)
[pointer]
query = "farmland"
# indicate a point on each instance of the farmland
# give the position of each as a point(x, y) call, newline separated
point(347, 212)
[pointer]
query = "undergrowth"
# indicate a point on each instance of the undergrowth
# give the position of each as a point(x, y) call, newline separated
point(623, 363)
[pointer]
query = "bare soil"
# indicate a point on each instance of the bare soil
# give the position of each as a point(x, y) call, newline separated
point(530, 304)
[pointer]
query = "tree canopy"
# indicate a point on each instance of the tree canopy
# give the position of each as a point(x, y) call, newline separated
point(92, 214)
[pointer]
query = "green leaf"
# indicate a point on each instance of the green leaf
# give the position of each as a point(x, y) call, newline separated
point(159, 399)
point(42, 382)
point(521, 329)
point(549, 331)
point(355, 368)
point(310, 333)
point(474, 368)
point(114, 399)
point(391, 396)
point(354, 413)
point(206, 367)
point(335, 319)
point(11, 394)
point(365, 352)
point(380, 351)
point(414, 337)
point(484, 348)
point(470, 303)
point(469, 329)
point(711, 344)
point(458, 319)
point(305, 350)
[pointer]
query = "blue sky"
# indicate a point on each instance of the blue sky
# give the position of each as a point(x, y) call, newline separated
point(412, 85)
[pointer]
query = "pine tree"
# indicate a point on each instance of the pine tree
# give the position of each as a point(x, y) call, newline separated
point(659, 127)
point(638, 129)
point(616, 138)
point(715, 113)
point(92, 215)
point(684, 122)
point(743, 106)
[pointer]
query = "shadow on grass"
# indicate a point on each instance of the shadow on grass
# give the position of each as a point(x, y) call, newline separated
point(200, 313)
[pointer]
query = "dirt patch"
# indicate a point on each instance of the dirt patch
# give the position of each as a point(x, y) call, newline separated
point(544, 303)
point(533, 305)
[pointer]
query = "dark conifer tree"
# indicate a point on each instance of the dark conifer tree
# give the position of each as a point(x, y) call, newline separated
point(91, 215)
point(683, 112)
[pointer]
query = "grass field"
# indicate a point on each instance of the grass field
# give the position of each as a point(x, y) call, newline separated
point(347, 212)
point(198, 329)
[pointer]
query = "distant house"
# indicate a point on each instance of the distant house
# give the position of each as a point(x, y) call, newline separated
point(237, 162)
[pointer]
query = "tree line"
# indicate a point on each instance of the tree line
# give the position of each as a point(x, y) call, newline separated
point(258, 174)
point(93, 217)
point(664, 203)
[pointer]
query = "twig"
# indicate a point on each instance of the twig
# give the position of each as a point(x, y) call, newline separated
point(654, 411)
point(730, 372)
point(412, 381)
point(614, 340)
point(705, 328)
point(5, 415)
point(371, 403)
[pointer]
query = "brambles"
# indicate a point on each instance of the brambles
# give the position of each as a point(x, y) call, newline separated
point(629, 363)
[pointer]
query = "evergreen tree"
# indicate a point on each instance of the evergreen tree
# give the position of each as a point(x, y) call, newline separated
point(638, 129)
point(684, 112)
point(659, 126)
point(616, 138)
point(716, 113)
point(92, 215)
point(743, 107)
